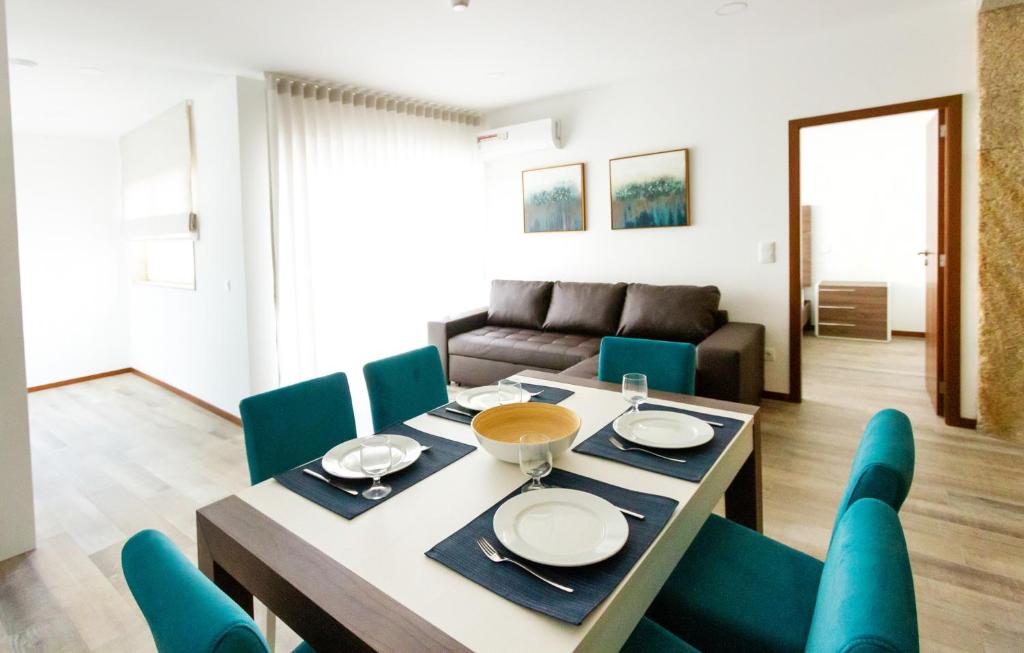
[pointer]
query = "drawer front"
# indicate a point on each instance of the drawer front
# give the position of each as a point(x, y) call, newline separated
point(866, 331)
point(847, 294)
point(873, 313)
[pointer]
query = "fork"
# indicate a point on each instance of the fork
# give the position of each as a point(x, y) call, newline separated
point(493, 555)
point(621, 447)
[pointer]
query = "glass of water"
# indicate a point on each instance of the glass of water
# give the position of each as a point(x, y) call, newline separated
point(535, 459)
point(375, 461)
point(634, 389)
point(509, 392)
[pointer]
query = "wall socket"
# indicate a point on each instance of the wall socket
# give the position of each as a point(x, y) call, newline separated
point(769, 354)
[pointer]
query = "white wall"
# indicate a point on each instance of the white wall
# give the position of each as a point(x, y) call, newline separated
point(197, 340)
point(867, 183)
point(17, 518)
point(732, 108)
point(74, 292)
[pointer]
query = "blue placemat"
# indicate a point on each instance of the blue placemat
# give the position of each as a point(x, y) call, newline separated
point(698, 459)
point(443, 452)
point(550, 396)
point(591, 584)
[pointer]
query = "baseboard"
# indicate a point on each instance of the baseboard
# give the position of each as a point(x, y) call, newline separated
point(908, 334)
point(79, 379)
point(778, 396)
point(189, 397)
point(963, 422)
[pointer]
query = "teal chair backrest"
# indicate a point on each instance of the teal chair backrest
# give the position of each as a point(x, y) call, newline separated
point(404, 386)
point(669, 366)
point(883, 467)
point(295, 424)
point(185, 611)
point(866, 600)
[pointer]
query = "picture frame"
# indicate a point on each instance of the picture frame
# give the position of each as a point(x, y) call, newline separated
point(650, 190)
point(554, 198)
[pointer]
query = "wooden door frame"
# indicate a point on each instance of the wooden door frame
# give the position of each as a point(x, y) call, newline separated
point(950, 110)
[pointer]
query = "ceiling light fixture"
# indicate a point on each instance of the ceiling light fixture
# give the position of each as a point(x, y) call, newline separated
point(24, 63)
point(460, 5)
point(730, 8)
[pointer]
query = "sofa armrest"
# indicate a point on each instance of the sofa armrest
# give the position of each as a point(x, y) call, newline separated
point(439, 331)
point(730, 363)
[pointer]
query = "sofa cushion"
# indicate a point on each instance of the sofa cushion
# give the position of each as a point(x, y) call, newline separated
point(592, 308)
point(521, 304)
point(528, 347)
point(677, 313)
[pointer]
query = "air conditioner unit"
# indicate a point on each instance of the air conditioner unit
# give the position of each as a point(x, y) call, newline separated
point(516, 139)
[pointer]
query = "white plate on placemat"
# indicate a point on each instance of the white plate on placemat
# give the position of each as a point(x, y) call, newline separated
point(564, 528)
point(663, 429)
point(343, 460)
point(483, 398)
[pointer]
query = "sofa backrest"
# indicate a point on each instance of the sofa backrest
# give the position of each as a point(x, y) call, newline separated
point(674, 313)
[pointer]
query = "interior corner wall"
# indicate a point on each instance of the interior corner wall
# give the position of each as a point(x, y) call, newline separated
point(1001, 77)
point(732, 108)
point(17, 516)
point(72, 257)
point(197, 340)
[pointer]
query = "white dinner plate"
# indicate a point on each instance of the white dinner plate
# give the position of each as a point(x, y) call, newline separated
point(483, 398)
point(564, 528)
point(663, 429)
point(343, 460)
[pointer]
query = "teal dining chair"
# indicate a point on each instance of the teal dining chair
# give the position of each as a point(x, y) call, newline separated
point(737, 590)
point(185, 611)
point(404, 386)
point(669, 366)
point(295, 424)
point(651, 637)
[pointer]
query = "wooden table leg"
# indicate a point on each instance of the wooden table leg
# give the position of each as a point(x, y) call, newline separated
point(220, 577)
point(743, 497)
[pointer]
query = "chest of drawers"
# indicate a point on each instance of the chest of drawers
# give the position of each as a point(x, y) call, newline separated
point(853, 309)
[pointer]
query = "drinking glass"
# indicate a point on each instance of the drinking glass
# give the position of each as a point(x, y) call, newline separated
point(535, 459)
point(375, 461)
point(509, 392)
point(634, 389)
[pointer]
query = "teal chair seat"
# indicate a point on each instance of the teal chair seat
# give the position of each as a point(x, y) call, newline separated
point(295, 424)
point(737, 590)
point(185, 611)
point(650, 637)
point(404, 386)
point(669, 366)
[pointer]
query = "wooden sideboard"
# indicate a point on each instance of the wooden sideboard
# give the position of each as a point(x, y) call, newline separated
point(853, 309)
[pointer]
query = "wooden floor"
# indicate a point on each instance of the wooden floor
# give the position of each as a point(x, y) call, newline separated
point(117, 455)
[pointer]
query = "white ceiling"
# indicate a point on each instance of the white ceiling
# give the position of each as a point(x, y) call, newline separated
point(157, 52)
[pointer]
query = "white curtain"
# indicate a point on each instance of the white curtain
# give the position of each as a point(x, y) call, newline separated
point(377, 216)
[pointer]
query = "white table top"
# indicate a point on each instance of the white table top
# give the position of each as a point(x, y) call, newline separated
point(386, 545)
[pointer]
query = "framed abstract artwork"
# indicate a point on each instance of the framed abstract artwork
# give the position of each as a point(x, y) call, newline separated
point(650, 190)
point(553, 199)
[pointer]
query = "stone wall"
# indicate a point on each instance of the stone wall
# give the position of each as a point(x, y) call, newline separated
point(1001, 225)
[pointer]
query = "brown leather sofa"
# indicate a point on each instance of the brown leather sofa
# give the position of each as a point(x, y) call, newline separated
point(558, 326)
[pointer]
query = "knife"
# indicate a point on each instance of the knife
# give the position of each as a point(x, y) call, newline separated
point(329, 482)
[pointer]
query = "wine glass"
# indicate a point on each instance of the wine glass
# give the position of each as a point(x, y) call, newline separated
point(535, 459)
point(509, 392)
point(634, 389)
point(375, 461)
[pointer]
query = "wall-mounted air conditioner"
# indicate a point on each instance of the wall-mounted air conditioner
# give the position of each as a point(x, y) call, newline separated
point(516, 139)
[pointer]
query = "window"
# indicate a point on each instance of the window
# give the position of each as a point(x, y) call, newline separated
point(156, 177)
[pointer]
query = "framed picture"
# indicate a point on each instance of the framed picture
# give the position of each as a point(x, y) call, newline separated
point(553, 199)
point(650, 190)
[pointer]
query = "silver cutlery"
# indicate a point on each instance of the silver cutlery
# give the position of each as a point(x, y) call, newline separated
point(535, 394)
point(449, 409)
point(621, 447)
point(709, 422)
point(424, 448)
point(620, 509)
point(493, 555)
point(328, 481)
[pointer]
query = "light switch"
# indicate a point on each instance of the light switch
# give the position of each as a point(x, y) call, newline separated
point(766, 251)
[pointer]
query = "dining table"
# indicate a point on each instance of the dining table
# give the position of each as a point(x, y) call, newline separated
point(365, 584)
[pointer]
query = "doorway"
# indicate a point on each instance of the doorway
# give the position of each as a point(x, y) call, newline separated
point(941, 258)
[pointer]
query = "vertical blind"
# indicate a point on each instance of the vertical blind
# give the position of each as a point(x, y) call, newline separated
point(377, 212)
